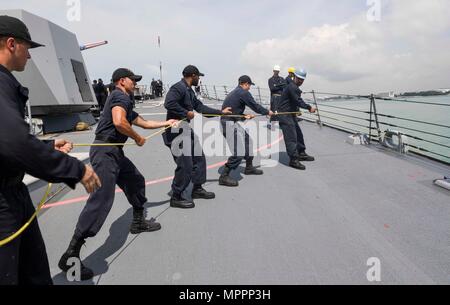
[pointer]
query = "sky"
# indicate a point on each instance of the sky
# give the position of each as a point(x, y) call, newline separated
point(347, 46)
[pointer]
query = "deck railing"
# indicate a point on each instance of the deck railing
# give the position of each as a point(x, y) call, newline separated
point(363, 114)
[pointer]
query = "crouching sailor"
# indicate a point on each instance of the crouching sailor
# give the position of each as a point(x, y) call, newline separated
point(113, 167)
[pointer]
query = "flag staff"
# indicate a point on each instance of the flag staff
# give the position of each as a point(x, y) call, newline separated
point(160, 62)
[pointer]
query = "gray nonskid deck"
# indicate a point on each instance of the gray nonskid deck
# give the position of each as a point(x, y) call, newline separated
point(319, 226)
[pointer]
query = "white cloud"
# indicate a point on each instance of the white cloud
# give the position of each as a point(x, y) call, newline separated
point(332, 39)
point(418, 19)
point(405, 51)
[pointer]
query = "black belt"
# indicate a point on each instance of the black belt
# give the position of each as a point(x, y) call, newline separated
point(107, 139)
point(233, 119)
point(173, 116)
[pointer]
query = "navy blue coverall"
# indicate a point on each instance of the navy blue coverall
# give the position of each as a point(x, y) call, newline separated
point(292, 101)
point(24, 261)
point(238, 99)
point(191, 166)
point(112, 167)
point(276, 86)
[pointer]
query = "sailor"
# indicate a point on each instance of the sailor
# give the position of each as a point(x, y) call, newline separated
point(291, 101)
point(276, 86)
point(101, 94)
point(239, 141)
point(24, 260)
point(94, 85)
point(198, 90)
point(110, 87)
point(153, 85)
point(159, 85)
point(290, 77)
point(113, 167)
point(98, 97)
point(180, 103)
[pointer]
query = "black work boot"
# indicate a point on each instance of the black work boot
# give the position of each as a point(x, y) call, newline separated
point(198, 192)
point(251, 170)
point(305, 157)
point(74, 252)
point(226, 180)
point(177, 201)
point(295, 163)
point(140, 224)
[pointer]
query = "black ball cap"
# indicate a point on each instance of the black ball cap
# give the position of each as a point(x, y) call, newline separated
point(13, 27)
point(191, 70)
point(245, 79)
point(123, 73)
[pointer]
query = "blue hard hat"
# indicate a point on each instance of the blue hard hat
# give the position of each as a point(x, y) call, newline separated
point(300, 73)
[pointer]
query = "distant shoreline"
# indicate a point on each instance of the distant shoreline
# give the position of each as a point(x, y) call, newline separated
point(425, 93)
point(406, 94)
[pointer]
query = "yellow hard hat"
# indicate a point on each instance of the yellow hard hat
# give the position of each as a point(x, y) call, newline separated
point(291, 70)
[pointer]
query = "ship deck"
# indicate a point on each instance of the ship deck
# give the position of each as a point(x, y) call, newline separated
point(318, 226)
